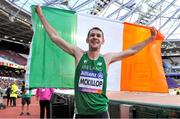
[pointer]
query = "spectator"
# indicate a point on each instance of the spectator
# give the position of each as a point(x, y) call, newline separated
point(26, 99)
point(13, 94)
point(8, 92)
point(44, 96)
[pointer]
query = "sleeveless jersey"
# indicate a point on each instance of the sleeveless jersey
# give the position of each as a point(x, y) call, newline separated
point(90, 86)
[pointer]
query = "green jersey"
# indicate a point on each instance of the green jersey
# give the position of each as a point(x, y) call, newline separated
point(26, 93)
point(90, 86)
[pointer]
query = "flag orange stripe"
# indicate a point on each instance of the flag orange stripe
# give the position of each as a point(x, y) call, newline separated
point(143, 71)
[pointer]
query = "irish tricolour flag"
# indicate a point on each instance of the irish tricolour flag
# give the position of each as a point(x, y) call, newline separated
point(50, 66)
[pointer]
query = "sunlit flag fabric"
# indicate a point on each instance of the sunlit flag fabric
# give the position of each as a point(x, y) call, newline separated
point(50, 66)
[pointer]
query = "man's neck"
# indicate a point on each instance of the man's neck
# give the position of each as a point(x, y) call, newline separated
point(93, 55)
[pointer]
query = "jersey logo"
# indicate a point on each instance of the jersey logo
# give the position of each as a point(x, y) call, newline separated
point(99, 63)
point(85, 61)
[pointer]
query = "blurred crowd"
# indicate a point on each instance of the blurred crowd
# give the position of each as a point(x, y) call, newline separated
point(4, 83)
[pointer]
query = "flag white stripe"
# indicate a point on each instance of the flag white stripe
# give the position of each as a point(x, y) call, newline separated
point(113, 34)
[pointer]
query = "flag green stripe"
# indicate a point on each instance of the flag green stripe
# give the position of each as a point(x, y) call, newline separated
point(50, 65)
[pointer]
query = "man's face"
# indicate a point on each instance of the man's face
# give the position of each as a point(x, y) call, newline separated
point(95, 40)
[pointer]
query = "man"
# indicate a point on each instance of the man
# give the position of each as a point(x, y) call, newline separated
point(13, 94)
point(8, 92)
point(26, 99)
point(91, 69)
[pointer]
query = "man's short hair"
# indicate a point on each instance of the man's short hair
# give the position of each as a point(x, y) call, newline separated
point(96, 28)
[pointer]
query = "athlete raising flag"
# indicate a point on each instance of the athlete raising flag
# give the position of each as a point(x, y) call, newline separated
point(91, 69)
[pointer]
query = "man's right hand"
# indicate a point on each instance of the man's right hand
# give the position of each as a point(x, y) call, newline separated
point(39, 11)
point(153, 32)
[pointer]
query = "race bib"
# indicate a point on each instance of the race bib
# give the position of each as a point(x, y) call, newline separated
point(90, 81)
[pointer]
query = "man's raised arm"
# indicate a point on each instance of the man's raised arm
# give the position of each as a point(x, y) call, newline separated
point(113, 57)
point(55, 37)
